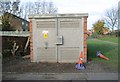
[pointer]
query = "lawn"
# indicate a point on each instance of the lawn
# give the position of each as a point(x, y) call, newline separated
point(109, 50)
point(110, 38)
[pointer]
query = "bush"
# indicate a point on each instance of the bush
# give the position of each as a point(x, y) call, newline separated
point(95, 35)
point(115, 33)
point(6, 53)
point(5, 25)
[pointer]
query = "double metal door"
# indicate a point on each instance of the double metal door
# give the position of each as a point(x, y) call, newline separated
point(58, 39)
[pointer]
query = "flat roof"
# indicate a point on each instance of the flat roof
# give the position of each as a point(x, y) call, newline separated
point(36, 16)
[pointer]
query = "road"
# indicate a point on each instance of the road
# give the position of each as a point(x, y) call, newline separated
point(60, 76)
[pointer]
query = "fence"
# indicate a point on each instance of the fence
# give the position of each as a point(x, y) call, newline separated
point(8, 37)
point(15, 33)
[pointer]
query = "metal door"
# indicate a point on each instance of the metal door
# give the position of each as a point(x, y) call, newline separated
point(71, 30)
point(46, 36)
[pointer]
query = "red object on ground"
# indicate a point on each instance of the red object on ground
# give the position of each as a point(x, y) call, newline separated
point(80, 64)
point(104, 57)
point(80, 59)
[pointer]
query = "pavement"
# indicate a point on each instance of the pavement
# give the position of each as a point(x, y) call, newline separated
point(0, 66)
point(60, 76)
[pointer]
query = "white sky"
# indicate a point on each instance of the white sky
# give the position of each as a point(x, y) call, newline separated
point(95, 8)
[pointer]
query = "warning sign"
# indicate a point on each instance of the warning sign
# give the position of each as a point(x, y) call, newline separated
point(45, 34)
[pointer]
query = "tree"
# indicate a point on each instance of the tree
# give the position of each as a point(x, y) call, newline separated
point(5, 23)
point(99, 26)
point(51, 8)
point(5, 6)
point(10, 6)
point(111, 18)
point(38, 7)
point(45, 7)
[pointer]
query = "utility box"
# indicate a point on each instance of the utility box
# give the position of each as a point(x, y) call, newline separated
point(58, 37)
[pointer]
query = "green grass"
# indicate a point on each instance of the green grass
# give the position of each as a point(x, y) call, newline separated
point(109, 50)
point(110, 38)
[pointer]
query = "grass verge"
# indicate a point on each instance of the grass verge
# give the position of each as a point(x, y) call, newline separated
point(110, 38)
point(109, 50)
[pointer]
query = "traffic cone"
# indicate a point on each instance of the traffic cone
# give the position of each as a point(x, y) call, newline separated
point(99, 54)
point(80, 64)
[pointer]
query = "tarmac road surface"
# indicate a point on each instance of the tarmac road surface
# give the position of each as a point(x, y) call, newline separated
point(60, 76)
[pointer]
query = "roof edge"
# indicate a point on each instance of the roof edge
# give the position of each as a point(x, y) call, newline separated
point(58, 15)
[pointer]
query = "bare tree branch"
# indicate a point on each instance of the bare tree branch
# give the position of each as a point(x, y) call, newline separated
point(38, 7)
point(111, 18)
point(10, 6)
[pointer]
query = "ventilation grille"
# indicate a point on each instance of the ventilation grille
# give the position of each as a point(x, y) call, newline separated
point(46, 55)
point(69, 54)
point(69, 24)
point(45, 24)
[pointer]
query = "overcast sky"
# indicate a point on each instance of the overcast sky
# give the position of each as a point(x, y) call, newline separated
point(95, 8)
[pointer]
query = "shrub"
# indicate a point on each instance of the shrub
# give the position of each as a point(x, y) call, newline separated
point(95, 35)
point(6, 53)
